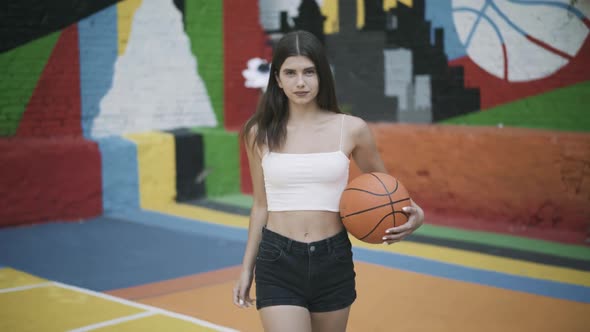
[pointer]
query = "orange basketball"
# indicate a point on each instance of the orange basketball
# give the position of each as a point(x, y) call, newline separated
point(372, 203)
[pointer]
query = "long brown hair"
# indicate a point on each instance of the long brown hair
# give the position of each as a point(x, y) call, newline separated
point(271, 114)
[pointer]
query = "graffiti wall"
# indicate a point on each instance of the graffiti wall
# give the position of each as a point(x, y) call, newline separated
point(143, 90)
point(81, 80)
point(427, 61)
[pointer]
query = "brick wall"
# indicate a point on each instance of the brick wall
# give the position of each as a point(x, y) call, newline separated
point(519, 181)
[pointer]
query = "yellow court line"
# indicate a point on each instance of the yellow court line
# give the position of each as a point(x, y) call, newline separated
point(116, 321)
point(10, 278)
point(24, 288)
point(149, 308)
point(146, 310)
point(437, 253)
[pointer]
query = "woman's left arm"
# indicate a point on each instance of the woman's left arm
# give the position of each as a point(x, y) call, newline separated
point(367, 158)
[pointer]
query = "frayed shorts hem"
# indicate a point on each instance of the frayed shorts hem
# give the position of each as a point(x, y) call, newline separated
point(296, 302)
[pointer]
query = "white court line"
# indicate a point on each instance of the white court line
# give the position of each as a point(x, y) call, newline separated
point(114, 321)
point(150, 309)
point(21, 288)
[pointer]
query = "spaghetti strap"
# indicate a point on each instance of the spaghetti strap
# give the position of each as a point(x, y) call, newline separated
point(341, 129)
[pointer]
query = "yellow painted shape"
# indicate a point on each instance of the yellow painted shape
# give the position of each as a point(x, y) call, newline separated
point(482, 261)
point(125, 12)
point(360, 14)
point(156, 323)
point(329, 9)
point(54, 308)
point(10, 278)
point(157, 167)
point(388, 4)
point(408, 3)
point(202, 214)
point(436, 253)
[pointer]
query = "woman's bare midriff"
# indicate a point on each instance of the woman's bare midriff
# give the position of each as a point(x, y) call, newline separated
point(305, 226)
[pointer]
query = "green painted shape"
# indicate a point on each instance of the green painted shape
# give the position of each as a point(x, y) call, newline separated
point(475, 237)
point(21, 69)
point(561, 109)
point(204, 27)
point(506, 241)
point(239, 200)
point(222, 161)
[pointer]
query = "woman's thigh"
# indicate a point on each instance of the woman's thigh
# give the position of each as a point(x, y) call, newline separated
point(285, 318)
point(331, 321)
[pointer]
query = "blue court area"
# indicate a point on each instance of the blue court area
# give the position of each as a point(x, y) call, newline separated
point(105, 253)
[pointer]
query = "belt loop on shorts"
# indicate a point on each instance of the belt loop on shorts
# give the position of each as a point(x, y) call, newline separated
point(289, 243)
point(329, 244)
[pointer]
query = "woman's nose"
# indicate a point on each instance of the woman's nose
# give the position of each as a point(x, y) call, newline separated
point(300, 81)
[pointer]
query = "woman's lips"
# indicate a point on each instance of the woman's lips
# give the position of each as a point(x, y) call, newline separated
point(301, 93)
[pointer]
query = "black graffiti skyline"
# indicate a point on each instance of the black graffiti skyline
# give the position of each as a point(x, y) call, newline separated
point(357, 57)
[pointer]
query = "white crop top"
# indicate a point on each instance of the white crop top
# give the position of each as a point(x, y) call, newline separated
point(305, 181)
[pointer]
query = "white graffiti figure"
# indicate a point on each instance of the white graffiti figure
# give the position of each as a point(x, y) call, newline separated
point(521, 40)
point(257, 74)
point(155, 85)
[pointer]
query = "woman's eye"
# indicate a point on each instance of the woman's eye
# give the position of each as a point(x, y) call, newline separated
point(310, 72)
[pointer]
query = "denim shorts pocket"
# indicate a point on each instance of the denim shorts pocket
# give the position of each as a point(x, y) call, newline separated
point(342, 254)
point(269, 253)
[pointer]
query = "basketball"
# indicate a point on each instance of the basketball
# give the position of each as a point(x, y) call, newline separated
point(372, 203)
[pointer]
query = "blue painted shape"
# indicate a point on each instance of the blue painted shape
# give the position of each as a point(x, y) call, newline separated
point(97, 36)
point(480, 16)
point(156, 219)
point(104, 254)
point(440, 13)
point(570, 8)
point(120, 178)
point(137, 247)
point(393, 260)
point(483, 277)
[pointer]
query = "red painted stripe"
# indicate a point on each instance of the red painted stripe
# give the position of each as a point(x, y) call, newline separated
point(177, 285)
point(55, 106)
point(49, 179)
point(549, 47)
point(505, 55)
point(243, 39)
point(495, 91)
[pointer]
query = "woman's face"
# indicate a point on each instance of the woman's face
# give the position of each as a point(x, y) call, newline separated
point(299, 80)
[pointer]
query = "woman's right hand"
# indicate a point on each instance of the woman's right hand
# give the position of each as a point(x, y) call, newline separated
point(241, 292)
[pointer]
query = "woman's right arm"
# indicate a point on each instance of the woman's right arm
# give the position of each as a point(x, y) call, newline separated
point(258, 217)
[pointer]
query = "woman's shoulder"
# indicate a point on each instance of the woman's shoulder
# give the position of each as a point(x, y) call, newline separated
point(354, 124)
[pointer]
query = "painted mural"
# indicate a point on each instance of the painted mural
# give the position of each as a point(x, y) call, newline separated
point(156, 85)
point(135, 102)
point(427, 61)
point(90, 89)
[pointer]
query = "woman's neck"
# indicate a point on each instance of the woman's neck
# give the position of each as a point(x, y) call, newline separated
point(303, 113)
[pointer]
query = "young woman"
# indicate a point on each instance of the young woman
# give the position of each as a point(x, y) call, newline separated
point(298, 145)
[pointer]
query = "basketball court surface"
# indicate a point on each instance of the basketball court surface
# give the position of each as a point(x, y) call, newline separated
point(173, 269)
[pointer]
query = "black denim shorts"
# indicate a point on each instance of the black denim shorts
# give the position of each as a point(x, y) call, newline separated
point(318, 275)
